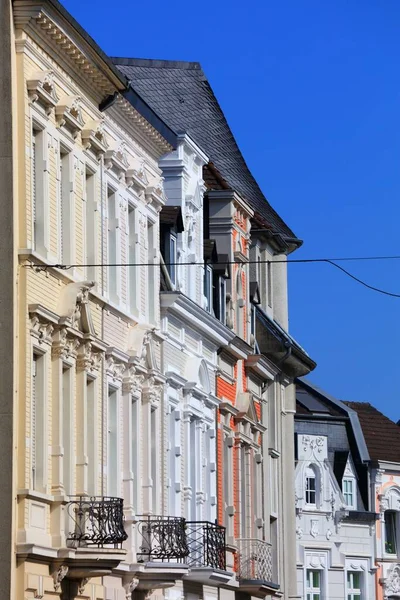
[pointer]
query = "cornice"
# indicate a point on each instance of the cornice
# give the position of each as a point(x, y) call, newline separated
point(40, 20)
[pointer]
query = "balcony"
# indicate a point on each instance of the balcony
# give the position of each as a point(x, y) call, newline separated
point(95, 533)
point(162, 550)
point(207, 552)
point(256, 567)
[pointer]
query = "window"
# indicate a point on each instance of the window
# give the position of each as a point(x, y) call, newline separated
point(68, 429)
point(66, 207)
point(38, 430)
point(132, 256)
point(151, 271)
point(222, 300)
point(390, 532)
point(348, 492)
point(208, 282)
point(313, 584)
point(112, 442)
point(90, 224)
point(112, 245)
point(353, 585)
point(171, 260)
point(91, 435)
point(253, 323)
point(39, 190)
point(153, 457)
point(310, 486)
point(269, 284)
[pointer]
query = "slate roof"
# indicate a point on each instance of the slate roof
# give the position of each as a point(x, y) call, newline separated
point(181, 95)
point(382, 435)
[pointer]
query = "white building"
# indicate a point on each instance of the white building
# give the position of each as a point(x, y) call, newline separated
point(335, 529)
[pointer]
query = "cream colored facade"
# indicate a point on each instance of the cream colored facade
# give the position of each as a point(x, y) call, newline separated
point(88, 193)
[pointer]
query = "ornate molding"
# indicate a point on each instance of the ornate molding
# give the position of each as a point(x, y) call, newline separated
point(69, 114)
point(115, 368)
point(89, 357)
point(152, 392)
point(41, 89)
point(117, 159)
point(58, 576)
point(154, 194)
point(82, 584)
point(392, 582)
point(94, 138)
point(64, 346)
point(136, 176)
point(129, 586)
point(133, 381)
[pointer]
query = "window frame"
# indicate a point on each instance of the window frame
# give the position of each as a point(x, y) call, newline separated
point(354, 593)
point(310, 475)
point(208, 287)
point(314, 592)
point(395, 528)
point(352, 482)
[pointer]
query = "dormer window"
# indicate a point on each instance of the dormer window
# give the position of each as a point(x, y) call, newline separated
point(221, 274)
point(311, 487)
point(348, 486)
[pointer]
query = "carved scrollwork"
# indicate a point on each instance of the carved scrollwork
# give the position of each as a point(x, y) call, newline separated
point(115, 368)
point(392, 582)
point(94, 139)
point(69, 114)
point(58, 576)
point(88, 359)
point(41, 89)
point(152, 391)
point(63, 345)
point(133, 381)
point(42, 331)
point(129, 587)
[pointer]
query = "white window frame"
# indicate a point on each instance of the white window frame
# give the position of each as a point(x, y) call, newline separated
point(174, 456)
point(152, 271)
point(172, 257)
point(91, 392)
point(40, 191)
point(353, 593)
point(113, 243)
point(66, 203)
point(133, 254)
point(311, 475)
point(210, 473)
point(91, 183)
point(311, 592)
point(352, 481)
point(68, 427)
point(222, 299)
point(113, 462)
point(396, 516)
point(39, 426)
point(208, 287)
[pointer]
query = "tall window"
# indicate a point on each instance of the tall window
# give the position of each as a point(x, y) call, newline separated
point(135, 433)
point(38, 430)
point(67, 428)
point(310, 486)
point(34, 183)
point(66, 209)
point(151, 271)
point(39, 190)
point(112, 442)
point(391, 532)
point(112, 244)
point(91, 436)
point(313, 584)
point(227, 474)
point(153, 458)
point(172, 258)
point(353, 585)
point(245, 489)
point(269, 284)
point(208, 287)
point(222, 300)
point(348, 492)
point(90, 224)
point(132, 259)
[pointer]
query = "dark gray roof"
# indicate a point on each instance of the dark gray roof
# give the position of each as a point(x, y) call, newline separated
point(180, 93)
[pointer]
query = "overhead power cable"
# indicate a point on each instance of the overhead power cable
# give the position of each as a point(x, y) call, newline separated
point(330, 261)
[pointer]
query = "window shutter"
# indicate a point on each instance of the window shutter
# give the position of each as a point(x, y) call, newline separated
point(33, 420)
point(34, 167)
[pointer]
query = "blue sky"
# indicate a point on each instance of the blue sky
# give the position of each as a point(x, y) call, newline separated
point(312, 93)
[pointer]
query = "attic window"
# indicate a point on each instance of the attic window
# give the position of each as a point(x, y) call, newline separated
point(348, 486)
point(311, 488)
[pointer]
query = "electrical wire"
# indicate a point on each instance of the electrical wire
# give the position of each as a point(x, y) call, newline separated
point(330, 261)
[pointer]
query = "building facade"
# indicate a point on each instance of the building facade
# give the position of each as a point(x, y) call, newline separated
point(149, 403)
point(382, 437)
point(335, 526)
point(247, 295)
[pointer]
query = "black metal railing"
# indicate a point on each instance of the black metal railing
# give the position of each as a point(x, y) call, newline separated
point(207, 546)
point(162, 539)
point(95, 521)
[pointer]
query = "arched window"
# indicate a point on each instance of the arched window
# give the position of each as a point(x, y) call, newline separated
point(311, 486)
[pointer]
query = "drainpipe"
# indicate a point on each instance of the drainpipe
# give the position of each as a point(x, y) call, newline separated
point(287, 354)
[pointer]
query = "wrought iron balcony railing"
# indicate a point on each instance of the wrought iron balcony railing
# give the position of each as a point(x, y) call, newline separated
point(206, 542)
point(162, 539)
point(96, 521)
point(255, 560)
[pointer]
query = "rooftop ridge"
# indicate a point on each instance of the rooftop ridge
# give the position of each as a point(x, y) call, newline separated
point(157, 63)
